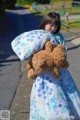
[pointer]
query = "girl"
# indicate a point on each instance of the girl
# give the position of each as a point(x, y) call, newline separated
point(51, 98)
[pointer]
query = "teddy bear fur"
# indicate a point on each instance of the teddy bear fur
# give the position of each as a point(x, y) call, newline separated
point(52, 57)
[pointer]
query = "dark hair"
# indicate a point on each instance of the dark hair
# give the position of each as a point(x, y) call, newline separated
point(53, 18)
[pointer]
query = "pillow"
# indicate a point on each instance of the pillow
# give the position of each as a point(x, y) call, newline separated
point(27, 43)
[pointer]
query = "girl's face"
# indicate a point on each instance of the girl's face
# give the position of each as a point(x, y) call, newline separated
point(49, 27)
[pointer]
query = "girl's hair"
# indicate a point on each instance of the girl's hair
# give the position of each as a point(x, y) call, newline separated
point(52, 18)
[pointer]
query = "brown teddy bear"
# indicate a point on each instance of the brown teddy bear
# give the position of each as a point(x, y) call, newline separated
point(52, 57)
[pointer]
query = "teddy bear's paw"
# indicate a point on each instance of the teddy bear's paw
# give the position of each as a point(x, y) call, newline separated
point(28, 66)
point(31, 77)
point(61, 46)
point(31, 74)
point(56, 72)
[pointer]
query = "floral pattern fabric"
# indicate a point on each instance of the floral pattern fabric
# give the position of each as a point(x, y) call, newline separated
point(27, 43)
point(55, 99)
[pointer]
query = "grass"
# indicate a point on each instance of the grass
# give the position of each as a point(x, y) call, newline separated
point(24, 2)
point(73, 24)
point(60, 0)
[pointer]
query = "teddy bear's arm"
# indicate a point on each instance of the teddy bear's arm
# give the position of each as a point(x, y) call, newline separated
point(30, 71)
point(60, 57)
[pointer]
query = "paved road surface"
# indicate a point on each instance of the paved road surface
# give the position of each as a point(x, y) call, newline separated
point(73, 45)
point(14, 23)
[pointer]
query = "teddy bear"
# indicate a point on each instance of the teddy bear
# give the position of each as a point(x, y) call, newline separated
point(52, 57)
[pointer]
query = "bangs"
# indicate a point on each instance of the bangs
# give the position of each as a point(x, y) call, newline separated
point(49, 20)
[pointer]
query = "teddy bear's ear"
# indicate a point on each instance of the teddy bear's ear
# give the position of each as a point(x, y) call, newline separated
point(49, 46)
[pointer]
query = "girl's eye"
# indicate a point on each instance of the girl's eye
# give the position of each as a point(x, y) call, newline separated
point(52, 26)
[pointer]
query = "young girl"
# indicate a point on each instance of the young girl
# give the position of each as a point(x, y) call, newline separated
point(51, 98)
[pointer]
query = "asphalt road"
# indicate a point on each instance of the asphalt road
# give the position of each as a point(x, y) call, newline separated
point(73, 52)
point(15, 22)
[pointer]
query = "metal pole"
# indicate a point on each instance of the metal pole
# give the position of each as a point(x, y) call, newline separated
point(64, 6)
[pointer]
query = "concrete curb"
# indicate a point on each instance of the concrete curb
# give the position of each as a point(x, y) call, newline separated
point(20, 105)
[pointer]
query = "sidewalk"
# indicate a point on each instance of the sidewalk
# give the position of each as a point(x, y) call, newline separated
point(20, 105)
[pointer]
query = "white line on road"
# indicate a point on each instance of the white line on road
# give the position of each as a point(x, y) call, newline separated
point(76, 41)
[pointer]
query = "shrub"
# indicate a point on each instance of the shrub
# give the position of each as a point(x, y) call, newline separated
point(2, 7)
point(10, 4)
point(43, 1)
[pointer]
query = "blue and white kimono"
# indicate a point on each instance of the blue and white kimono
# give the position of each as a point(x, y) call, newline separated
point(55, 99)
point(51, 98)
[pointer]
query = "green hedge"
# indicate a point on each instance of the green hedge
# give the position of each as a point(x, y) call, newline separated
point(2, 7)
point(23, 2)
point(10, 4)
point(43, 1)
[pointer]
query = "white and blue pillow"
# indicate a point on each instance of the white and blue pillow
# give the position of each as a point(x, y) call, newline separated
point(27, 43)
